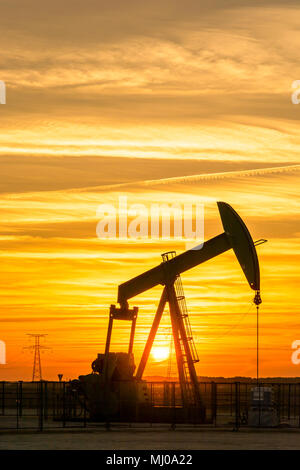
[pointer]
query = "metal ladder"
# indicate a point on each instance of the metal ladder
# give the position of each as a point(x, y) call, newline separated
point(184, 314)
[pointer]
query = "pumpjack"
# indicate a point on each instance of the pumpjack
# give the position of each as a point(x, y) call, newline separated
point(112, 391)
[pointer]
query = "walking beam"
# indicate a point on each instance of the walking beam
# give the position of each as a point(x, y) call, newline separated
point(235, 236)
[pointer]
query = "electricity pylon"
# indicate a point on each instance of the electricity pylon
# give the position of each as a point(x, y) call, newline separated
point(36, 347)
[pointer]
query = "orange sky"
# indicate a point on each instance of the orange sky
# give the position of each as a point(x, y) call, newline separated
point(104, 100)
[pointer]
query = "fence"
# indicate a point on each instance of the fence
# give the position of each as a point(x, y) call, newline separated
point(49, 405)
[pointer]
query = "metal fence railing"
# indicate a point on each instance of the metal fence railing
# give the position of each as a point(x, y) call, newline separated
point(49, 405)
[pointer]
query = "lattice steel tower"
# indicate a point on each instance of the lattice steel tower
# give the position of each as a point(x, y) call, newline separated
point(36, 347)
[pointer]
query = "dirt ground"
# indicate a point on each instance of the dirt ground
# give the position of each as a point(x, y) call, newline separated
point(155, 439)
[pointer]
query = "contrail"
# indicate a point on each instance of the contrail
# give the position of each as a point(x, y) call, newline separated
point(225, 174)
point(199, 177)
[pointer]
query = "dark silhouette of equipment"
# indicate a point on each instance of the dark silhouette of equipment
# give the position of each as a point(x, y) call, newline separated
point(118, 368)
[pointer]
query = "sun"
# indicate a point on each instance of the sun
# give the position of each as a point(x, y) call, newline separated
point(160, 353)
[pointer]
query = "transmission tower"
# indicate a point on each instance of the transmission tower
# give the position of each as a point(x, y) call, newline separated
point(36, 348)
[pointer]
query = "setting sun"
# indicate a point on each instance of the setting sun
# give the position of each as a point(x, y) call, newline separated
point(160, 353)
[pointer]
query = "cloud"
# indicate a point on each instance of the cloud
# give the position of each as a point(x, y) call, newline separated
point(91, 78)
